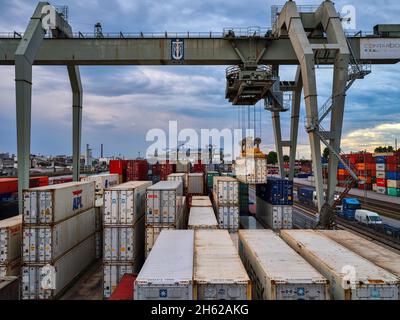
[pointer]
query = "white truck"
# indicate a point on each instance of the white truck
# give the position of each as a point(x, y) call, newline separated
point(367, 217)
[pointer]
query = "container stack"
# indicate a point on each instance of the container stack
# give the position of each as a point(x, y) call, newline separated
point(10, 244)
point(165, 209)
point(381, 181)
point(275, 203)
point(102, 181)
point(161, 171)
point(388, 176)
point(137, 170)
point(181, 177)
point(58, 237)
point(251, 170)
point(124, 224)
point(226, 202)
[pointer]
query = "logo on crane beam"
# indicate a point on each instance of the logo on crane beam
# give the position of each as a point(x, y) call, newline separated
point(177, 49)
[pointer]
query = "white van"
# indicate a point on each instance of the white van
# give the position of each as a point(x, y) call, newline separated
point(367, 217)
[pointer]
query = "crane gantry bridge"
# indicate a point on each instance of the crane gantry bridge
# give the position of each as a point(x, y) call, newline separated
point(306, 38)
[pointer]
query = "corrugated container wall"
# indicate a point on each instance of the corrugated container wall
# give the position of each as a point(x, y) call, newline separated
point(251, 170)
point(102, 181)
point(10, 245)
point(277, 272)
point(182, 178)
point(58, 202)
point(195, 183)
point(274, 217)
point(218, 271)
point(226, 191)
point(202, 218)
point(168, 271)
point(351, 276)
point(276, 191)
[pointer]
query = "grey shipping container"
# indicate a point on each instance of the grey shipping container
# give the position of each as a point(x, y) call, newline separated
point(124, 243)
point(168, 271)
point(10, 239)
point(9, 288)
point(228, 218)
point(164, 204)
point(277, 271)
point(125, 203)
point(195, 183)
point(182, 178)
point(55, 203)
point(382, 257)
point(218, 271)
point(274, 216)
point(351, 276)
point(45, 282)
point(202, 218)
point(46, 243)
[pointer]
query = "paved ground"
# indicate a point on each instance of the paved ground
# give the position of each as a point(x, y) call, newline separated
point(357, 192)
point(89, 286)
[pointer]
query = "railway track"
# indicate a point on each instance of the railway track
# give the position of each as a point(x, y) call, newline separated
point(364, 231)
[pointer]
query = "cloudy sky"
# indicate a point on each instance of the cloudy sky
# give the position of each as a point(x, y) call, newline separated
point(122, 103)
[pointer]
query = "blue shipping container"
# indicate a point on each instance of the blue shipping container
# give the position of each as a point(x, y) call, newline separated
point(276, 191)
point(341, 166)
point(380, 159)
point(306, 195)
point(303, 175)
point(393, 175)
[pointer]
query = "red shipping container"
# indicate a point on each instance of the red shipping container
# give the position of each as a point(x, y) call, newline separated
point(10, 185)
point(392, 167)
point(125, 288)
point(381, 182)
point(198, 168)
point(137, 170)
point(118, 167)
point(393, 159)
point(365, 186)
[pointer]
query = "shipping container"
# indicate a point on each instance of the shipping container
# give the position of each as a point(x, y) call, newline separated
point(274, 217)
point(99, 207)
point(102, 181)
point(351, 276)
point(381, 174)
point(228, 218)
point(277, 191)
point(380, 159)
point(126, 203)
point(9, 288)
point(99, 244)
point(381, 256)
point(44, 282)
point(168, 271)
point(164, 204)
point(380, 167)
point(113, 273)
point(393, 192)
point(210, 178)
point(137, 170)
point(381, 190)
point(10, 239)
point(124, 243)
point(10, 268)
point(218, 271)
point(202, 218)
point(45, 244)
point(57, 202)
point(393, 184)
point(183, 166)
point(195, 183)
point(251, 170)
point(393, 175)
point(182, 178)
point(152, 234)
point(277, 271)
point(125, 288)
point(226, 191)
point(249, 223)
point(196, 202)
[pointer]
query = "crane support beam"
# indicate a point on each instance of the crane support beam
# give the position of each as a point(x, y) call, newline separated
point(152, 51)
point(25, 54)
point(77, 92)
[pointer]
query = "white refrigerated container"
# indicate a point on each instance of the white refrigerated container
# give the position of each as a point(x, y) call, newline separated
point(228, 218)
point(164, 204)
point(113, 273)
point(125, 203)
point(102, 181)
point(251, 169)
point(168, 271)
point(152, 233)
point(277, 271)
point(275, 217)
point(226, 191)
point(46, 243)
point(182, 178)
point(49, 281)
point(351, 276)
point(55, 203)
point(219, 273)
point(124, 243)
point(10, 239)
point(202, 218)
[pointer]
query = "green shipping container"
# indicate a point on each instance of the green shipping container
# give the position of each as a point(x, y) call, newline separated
point(244, 197)
point(210, 178)
point(393, 192)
